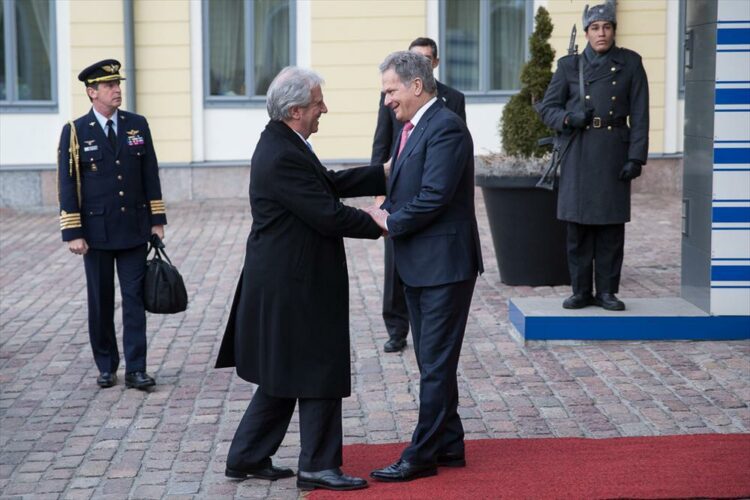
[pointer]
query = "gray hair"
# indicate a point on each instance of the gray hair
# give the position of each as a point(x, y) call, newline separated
point(291, 87)
point(409, 66)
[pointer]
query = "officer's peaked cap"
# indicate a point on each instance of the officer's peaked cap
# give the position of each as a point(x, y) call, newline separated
point(102, 71)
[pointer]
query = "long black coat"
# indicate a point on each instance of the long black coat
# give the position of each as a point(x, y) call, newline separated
point(590, 189)
point(288, 330)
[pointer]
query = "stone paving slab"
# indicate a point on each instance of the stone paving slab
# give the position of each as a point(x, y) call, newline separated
point(63, 437)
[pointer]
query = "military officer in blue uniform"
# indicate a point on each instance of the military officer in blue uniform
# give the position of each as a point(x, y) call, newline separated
point(110, 204)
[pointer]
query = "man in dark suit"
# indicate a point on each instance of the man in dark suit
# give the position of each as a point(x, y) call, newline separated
point(288, 329)
point(110, 204)
point(395, 315)
point(429, 214)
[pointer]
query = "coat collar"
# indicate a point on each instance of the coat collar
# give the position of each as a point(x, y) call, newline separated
point(291, 136)
point(613, 65)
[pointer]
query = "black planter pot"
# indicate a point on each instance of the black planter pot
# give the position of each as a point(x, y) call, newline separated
point(529, 240)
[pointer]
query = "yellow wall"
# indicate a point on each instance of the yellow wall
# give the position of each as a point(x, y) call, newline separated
point(642, 27)
point(162, 56)
point(349, 40)
point(93, 37)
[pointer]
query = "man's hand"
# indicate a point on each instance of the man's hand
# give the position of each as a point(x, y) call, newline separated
point(158, 231)
point(379, 216)
point(579, 119)
point(630, 171)
point(78, 246)
point(387, 168)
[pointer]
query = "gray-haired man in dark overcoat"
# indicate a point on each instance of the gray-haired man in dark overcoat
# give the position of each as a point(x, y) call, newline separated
point(609, 145)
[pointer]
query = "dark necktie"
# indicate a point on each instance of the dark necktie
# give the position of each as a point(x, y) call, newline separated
point(111, 134)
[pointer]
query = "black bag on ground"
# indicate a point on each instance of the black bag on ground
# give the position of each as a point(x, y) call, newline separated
point(163, 289)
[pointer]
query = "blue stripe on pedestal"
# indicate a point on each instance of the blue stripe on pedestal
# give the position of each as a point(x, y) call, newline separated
point(731, 155)
point(645, 319)
point(731, 214)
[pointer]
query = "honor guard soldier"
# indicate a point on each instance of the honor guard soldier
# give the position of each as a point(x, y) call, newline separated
point(599, 101)
point(110, 204)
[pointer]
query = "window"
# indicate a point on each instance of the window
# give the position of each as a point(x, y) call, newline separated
point(240, 63)
point(484, 44)
point(27, 54)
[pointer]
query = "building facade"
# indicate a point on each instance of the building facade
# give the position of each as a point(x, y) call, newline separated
point(198, 70)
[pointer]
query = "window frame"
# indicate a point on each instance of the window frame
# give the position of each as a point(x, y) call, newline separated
point(12, 104)
point(484, 94)
point(247, 100)
point(682, 32)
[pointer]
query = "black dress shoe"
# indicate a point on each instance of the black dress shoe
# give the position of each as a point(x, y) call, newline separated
point(106, 379)
point(394, 345)
point(268, 471)
point(451, 460)
point(609, 302)
point(404, 471)
point(139, 380)
point(329, 479)
point(578, 301)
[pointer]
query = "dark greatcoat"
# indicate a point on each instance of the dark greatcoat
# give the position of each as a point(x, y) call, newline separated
point(590, 189)
point(288, 330)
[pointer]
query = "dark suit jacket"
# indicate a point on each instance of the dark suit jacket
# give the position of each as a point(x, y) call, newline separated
point(289, 326)
point(431, 202)
point(388, 128)
point(120, 189)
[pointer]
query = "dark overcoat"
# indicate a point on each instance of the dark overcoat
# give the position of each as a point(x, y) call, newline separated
point(120, 192)
point(591, 191)
point(288, 329)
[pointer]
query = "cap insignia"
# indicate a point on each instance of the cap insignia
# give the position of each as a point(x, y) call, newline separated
point(111, 68)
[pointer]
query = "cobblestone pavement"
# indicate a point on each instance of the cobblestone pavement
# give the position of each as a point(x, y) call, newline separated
point(63, 437)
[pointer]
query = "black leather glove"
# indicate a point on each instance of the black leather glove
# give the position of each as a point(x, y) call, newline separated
point(579, 119)
point(630, 171)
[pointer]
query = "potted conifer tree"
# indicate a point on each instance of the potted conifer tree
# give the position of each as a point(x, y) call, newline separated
point(529, 240)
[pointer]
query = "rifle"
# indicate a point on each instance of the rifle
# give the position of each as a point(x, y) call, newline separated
point(547, 181)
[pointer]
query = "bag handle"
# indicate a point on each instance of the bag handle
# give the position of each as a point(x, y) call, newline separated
point(157, 246)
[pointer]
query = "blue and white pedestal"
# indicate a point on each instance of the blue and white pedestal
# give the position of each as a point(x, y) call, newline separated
point(541, 319)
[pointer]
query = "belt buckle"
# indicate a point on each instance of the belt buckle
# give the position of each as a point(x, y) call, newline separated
point(597, 123)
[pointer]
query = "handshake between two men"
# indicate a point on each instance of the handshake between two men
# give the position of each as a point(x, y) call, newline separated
point(291, 336)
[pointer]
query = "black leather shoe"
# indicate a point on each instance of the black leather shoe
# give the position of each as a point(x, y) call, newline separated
point(451, 460)
point(106, 379)
point(609, 302)
point(329, 479)
point(403, 471)
point(394, 345)
point(269, 472)
point(139, 380)
point(578, 301)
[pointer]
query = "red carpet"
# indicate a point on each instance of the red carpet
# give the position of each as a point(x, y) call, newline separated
point(692, 466)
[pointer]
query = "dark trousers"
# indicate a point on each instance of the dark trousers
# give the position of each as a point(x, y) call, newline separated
point(438, 320)
point(264, 426)
point(395, 312)
point(595, 251)
point(100, 285)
